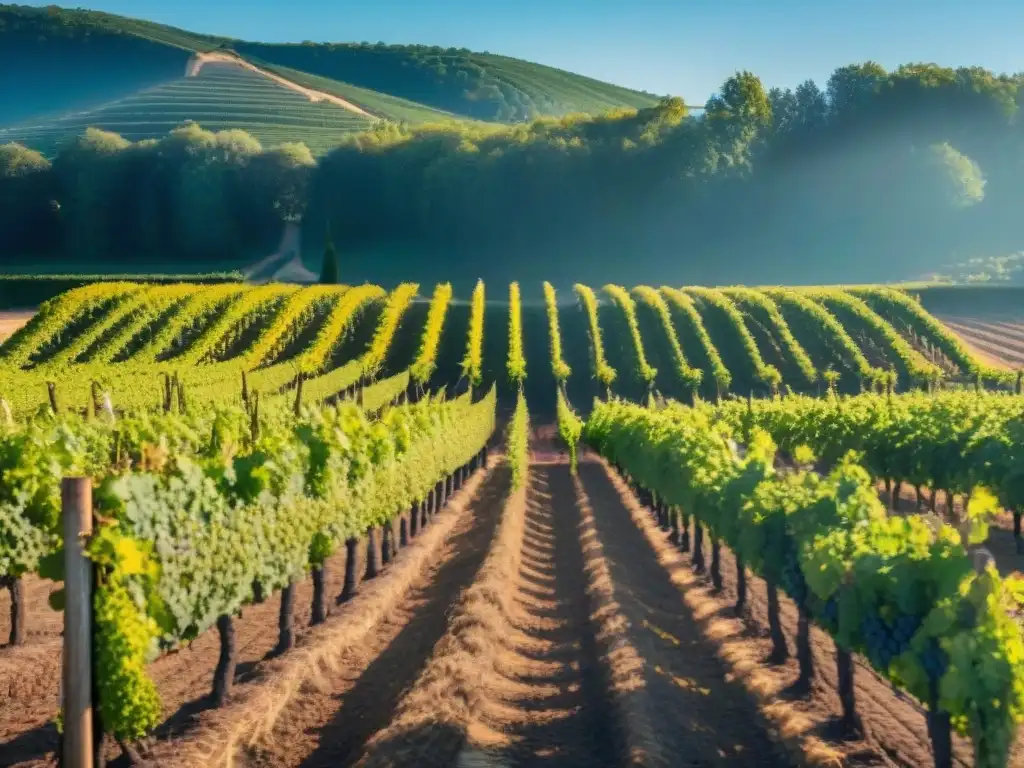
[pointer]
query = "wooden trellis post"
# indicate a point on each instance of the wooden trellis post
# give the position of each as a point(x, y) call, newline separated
point(76, 508)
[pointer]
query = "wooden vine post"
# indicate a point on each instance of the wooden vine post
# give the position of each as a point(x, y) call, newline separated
point(76, 507)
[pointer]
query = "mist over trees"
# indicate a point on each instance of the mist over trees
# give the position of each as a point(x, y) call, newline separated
point(878, 175)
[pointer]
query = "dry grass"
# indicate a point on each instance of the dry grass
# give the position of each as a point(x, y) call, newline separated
point(742, 656)
point(251, 715)
point(445, 708)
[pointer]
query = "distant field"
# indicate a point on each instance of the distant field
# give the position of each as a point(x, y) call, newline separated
point(222, 96)
point(999, 337)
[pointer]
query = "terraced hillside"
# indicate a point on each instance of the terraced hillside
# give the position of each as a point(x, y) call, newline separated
point(364, 342)
point(71, 69)
point(222, 96)
point(479, 85)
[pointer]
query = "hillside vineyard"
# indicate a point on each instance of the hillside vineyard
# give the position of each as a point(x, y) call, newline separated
point(829, 460)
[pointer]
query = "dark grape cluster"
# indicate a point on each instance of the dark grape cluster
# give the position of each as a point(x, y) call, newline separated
point(934, 660)
point(830, 611)
point(793, 581)
point(887, 641)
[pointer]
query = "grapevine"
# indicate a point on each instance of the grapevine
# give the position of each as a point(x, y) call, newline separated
point(472, 363)
point(689, 376)
point(682, 306)
point(516, 359)
point(603, 372)
point(559, 368)
point(426, 359)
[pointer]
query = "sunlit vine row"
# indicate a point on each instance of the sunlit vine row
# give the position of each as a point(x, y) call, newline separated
point(426, 358)
point(686, 311)
point(559, 368)
point(516, 359)
point(473, 361)
point(761, 307)
point(689, 376)
point(603, 372)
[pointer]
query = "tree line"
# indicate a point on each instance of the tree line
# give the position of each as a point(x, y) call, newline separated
point(877, 175)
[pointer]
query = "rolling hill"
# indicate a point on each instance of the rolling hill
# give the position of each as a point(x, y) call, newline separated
point(66, 70)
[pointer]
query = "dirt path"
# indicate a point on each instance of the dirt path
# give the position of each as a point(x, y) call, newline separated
point(561, 711)
point(996, 344)
point(330, 722)
point(198, 60)
point(519, 678)
point(701, 714)
point(12, 320)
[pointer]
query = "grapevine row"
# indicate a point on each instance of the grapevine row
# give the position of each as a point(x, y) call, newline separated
point(260, 510)
point(559, 368)
point(516, 358)
point(620, 298)
point(857, 313)
point(816, 321)
point(603, 372)
point(763, 309)
point(473, 361)
point(899, 590)
point(689, 376)
point(898, 304)
point(682, 306)
point(733, 324)
point(426, 358)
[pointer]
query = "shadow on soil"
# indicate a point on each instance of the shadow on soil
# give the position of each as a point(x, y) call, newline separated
point(371, 702)
point(700, 716)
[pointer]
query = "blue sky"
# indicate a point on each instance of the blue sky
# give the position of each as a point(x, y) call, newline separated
point(684, 47)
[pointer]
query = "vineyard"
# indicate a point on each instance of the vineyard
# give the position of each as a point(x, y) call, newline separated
point(341, 525)
point(223, 96)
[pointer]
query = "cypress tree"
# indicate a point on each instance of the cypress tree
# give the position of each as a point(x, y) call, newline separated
point(329, 272)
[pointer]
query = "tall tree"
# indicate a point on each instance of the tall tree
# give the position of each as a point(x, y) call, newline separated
point(330, 274)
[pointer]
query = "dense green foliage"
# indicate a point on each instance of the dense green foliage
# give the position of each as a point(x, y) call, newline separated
point(891, 174)
point(257, 502)
point(517, 442)
point(482, 86)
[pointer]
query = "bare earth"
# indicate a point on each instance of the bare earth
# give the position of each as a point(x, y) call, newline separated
point(199, 59)
point(997, 340)
point(12, 320)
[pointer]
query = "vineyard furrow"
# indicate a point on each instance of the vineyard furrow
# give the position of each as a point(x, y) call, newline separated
point(856, 314)
point(813, 322)
point(690, 326)
point(719, 312)
point(333, 722)
point(762, 309)
point(688, 377)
